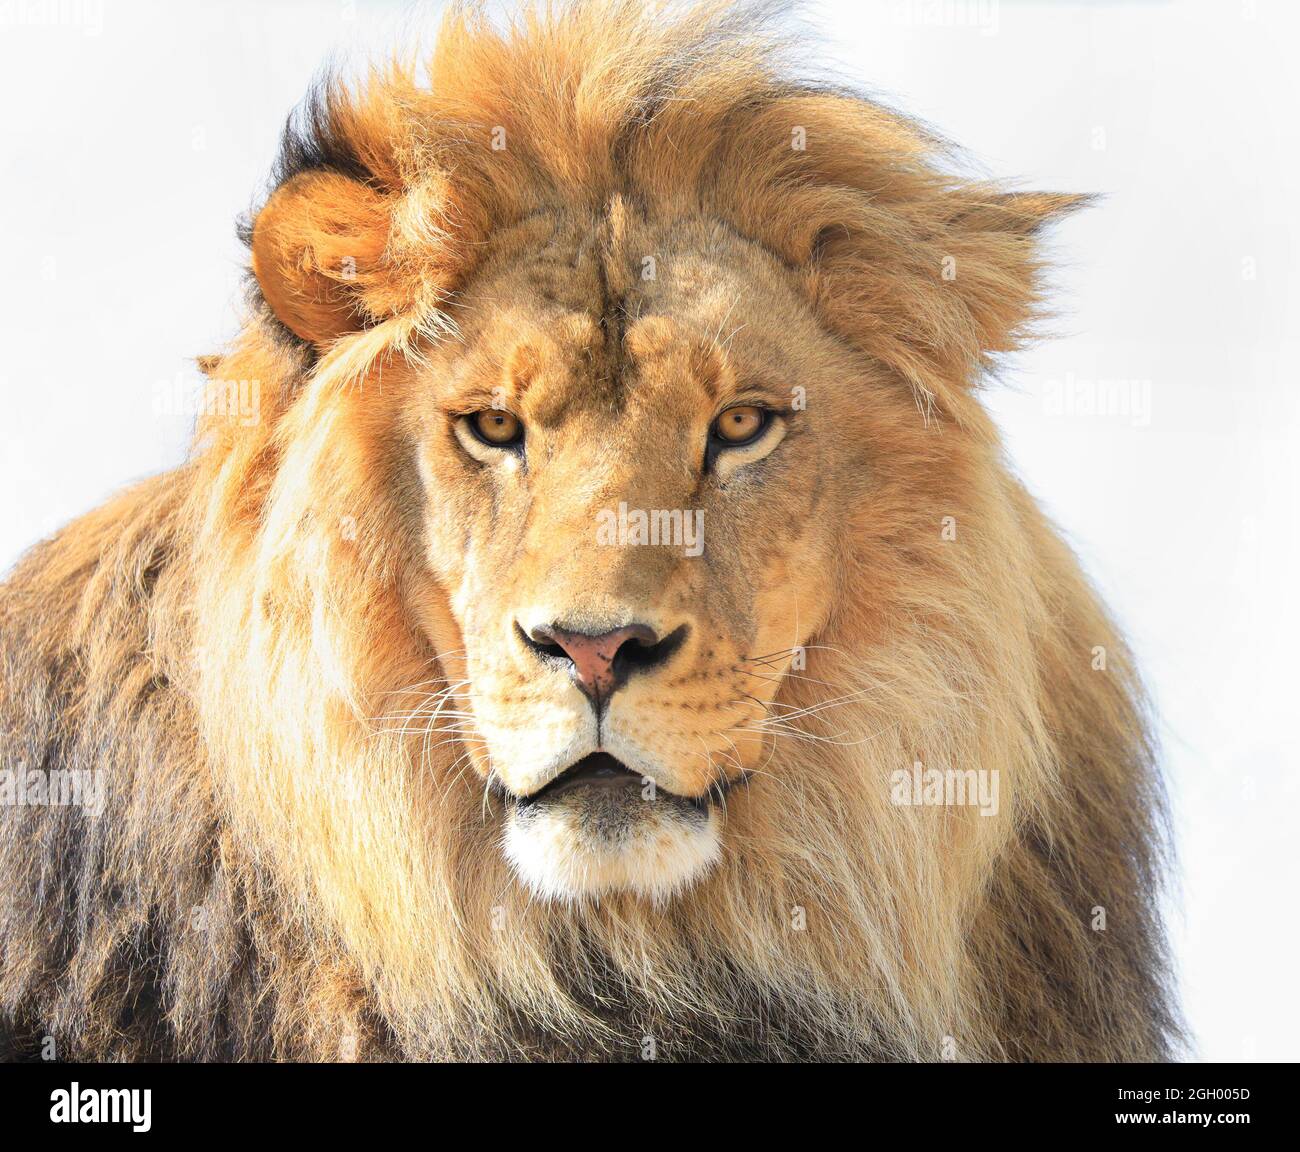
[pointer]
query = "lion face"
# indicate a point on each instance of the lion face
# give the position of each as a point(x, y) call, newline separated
point(627, 502)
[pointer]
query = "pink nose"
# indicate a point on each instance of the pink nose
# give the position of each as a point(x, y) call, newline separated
point(596, 667)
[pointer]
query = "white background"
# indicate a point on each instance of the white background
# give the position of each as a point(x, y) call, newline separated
point(133, 134)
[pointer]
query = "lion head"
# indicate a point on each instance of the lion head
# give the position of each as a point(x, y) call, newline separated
point(623, 538)
point(640, 458)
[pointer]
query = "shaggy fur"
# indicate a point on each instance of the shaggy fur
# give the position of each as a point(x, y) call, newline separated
point(276, 874)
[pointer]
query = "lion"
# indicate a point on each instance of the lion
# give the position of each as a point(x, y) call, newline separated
point(618, 636)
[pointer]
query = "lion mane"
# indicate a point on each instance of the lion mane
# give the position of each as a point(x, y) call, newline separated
point(269, 874)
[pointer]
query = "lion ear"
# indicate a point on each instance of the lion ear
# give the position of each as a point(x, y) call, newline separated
point(317, 245)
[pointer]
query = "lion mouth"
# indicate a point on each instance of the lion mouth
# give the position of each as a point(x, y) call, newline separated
point(601, 775)
point(599, 770)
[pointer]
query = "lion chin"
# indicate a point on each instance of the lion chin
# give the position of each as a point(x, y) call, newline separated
point(599, 828)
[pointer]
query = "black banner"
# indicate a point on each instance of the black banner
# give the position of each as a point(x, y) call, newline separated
point(927, 1101)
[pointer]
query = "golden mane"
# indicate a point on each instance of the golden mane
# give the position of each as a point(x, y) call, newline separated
point(276, 873)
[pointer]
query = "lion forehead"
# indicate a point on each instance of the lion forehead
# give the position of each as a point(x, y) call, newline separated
point(565, 319)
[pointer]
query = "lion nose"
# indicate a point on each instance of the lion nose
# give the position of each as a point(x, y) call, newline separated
point(600, 664)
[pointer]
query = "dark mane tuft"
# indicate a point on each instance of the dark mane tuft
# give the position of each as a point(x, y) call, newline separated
point(312, 140)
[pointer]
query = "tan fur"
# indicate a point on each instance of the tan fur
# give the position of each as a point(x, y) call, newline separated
point(299, 856)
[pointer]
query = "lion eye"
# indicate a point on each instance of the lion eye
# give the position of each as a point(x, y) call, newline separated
point(497, 427)
point(740, 425)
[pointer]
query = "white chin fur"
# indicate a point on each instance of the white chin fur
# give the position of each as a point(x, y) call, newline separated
point(659, 855)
